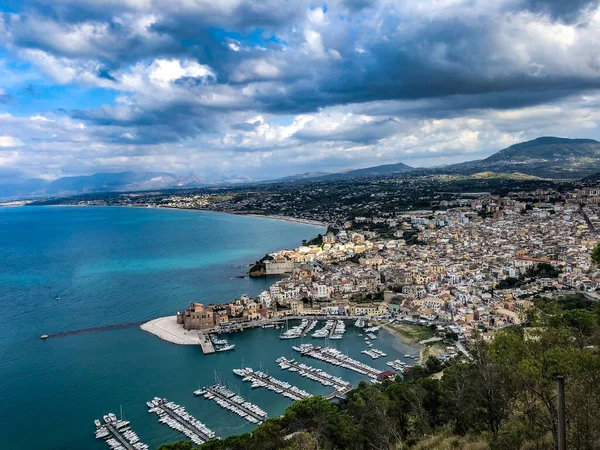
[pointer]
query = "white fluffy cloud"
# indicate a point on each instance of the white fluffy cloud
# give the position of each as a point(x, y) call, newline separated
point(275, 88)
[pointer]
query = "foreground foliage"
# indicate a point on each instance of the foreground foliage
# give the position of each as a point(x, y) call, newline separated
point(504, 398)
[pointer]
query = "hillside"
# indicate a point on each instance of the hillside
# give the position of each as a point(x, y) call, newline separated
point(98, 182)
point(386, 169)
point(545, 157)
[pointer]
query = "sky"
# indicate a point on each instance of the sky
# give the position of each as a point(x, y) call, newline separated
point(278, 87)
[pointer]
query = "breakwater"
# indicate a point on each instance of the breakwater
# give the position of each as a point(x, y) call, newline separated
point(118, 326)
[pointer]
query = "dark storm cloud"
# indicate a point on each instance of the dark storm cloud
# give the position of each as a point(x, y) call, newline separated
point(417, 60)
point(568, 10)
point(361, 133)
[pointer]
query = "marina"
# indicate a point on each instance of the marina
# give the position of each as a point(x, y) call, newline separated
point(177, 418)
point(374, 353)
point(312, 373)
point(262, 380)
point(230, 401)
point(117, 434)
point(398, 365)
point(337, 358)
point(326, 331)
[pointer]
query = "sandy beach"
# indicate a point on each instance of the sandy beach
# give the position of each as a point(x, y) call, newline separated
point(288, 219)
point(169, 330)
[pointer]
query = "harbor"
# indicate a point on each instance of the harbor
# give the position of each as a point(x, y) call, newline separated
point(269, 395)
point(177, 418)
point(341, 387)
point(230, 401)
point(332, 375)
point(262, 380)
point(337, 358)
point(117, 434)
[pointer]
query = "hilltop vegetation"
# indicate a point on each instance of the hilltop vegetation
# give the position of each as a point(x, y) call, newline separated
point(546, 157)
point(504, 398)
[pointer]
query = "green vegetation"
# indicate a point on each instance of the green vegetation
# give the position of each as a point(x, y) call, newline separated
point(596, 255)
point(412, 333)
point(503, 398)
point(543, 270)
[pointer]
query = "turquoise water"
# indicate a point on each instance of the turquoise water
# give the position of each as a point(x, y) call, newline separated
point(67, 268)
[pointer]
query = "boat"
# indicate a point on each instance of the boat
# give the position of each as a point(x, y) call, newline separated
point(225, 348)
point(44, 336)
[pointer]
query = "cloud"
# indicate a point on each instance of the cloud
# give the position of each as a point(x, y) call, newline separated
point(9, 142)
point(172, 83)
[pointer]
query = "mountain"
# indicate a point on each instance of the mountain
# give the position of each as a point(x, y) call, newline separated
point(546, 157)
point(594, 177)
point(106, 182)
point(386, 169)
point(98, 182)
point(304, 176)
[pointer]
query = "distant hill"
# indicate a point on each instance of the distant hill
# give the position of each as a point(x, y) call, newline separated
point(545, 157)
point(106, 182)
point(98, 182)
point(304, 176)
point(594, 177)
point(386, 169)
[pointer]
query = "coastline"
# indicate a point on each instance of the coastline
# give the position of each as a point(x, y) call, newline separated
point(315, 223)
point(424, 350)
point(285, 218)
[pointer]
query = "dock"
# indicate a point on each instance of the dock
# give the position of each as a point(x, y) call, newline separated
point(337, 358)
point(180, 420)
point(341, 387)
point(206, 344)
point(233, 402)
point(260, 379)
point(332, 331)
point(308, 327)
point(118, 435)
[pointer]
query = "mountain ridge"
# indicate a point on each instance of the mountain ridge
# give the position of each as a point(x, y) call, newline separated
point(544, 157)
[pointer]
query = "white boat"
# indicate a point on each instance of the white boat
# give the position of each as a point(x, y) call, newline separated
point(225, 348)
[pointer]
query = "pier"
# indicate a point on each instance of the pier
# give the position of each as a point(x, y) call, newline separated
point(180, 420)
point(308, 327)
point(206, 344)
point(232, 402)
point(337, 358)
point(260, 379)
point(118, 326)
point(332, 331)
point(117, 434)
point(341, 387)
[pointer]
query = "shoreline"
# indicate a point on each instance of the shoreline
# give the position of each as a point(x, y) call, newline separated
point(407, 340)
point(314, 223)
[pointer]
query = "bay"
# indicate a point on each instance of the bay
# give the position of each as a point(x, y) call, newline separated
point(69, 268)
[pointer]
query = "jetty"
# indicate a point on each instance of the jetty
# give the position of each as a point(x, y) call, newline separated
point(176, 417)
point(117, 434)
point(309, 326)
point(230, 401)
point(206, 344)
point(341, 387)
point(337, 358)
point(261, 379)
point(118, 326)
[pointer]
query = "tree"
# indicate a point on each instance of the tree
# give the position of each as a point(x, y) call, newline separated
point(596, 254)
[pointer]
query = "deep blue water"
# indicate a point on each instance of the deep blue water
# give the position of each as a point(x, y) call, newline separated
point(68, 268)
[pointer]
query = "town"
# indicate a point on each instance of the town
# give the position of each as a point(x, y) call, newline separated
point(474, 264)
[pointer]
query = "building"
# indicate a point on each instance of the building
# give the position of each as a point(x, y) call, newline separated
point(196, 317)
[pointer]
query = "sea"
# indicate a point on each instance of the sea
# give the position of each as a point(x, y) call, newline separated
point(74, 268)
